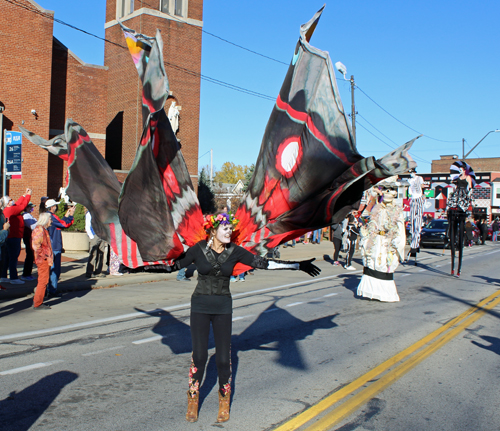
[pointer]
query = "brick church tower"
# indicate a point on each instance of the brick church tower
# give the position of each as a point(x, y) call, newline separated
point(180, 23)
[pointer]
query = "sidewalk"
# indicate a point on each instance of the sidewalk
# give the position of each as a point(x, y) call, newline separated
point(74, 264)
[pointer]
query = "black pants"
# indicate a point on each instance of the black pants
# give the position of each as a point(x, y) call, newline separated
point(350, 252)
point(200, 329)
point(30, 257)
point(456, 231)
point(337, 245)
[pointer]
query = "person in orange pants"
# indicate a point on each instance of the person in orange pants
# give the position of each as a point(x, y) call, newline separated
point(42, 248)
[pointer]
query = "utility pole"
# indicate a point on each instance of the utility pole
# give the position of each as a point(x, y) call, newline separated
point(474, 147)
point(353, 112)
point(463, 150)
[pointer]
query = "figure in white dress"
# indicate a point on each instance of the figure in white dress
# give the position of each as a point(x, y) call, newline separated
point(173, 116)
point(382, 244)
point(417, 201)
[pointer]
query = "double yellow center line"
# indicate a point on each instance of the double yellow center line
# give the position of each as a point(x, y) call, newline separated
point(398, 365)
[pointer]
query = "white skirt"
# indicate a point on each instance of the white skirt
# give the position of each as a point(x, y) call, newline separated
point(374, 288)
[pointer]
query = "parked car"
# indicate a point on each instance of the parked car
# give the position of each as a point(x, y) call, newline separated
point(434, 233)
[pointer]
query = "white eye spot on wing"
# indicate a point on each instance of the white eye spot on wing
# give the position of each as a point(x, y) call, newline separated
point(289, 156)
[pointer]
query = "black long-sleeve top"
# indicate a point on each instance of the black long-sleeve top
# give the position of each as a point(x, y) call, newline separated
point(217, 304)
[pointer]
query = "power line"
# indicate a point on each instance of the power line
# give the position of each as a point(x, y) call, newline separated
point(188, 71)
point(399, 121)
point(390, 146)
point(465, 140)
point(385, 136)
point(176, 18)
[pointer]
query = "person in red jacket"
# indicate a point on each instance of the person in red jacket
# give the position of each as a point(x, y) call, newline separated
point(12, 212)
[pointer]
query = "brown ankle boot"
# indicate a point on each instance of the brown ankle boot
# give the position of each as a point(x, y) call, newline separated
point(224, 401)
point(192, 411)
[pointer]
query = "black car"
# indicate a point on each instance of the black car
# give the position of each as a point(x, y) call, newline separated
point(434, 233)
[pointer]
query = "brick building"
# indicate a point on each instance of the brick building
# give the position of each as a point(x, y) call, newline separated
point(485, 196)
point(40, 73)
point(486, 164)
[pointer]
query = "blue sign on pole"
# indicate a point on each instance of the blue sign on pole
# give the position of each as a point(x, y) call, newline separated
point(13, 159)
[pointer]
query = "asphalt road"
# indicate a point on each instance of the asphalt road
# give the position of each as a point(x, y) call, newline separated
point(306, 354)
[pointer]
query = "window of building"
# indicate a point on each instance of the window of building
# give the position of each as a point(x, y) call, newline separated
point(124, 7)
point(174, 7)
point(178, 7)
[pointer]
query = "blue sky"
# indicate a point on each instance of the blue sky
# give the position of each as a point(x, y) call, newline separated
point(433, 65)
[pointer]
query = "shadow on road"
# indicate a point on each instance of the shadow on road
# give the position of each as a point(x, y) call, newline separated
point(488, 279)
point(351, 282)
point(27, 303)
point(454, 298)
point(275, 329)
point(494, 345)
point(20, 410)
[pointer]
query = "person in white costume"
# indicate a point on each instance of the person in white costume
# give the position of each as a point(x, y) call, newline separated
point(382, 244)
point(173, 116)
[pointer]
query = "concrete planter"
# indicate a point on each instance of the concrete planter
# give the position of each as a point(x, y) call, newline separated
point(75, 241)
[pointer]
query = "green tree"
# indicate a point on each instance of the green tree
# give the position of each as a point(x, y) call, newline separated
point(248, 176)
point(205, 194)
point(78, 218)
point(231, 173)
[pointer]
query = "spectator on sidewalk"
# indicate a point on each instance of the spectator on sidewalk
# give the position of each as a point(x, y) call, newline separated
point(239, 277)
point(495, 227)
point(316, 236)
point(29, 225)
point(42, 208)
point(97, 249)
point(42, 248)
point(56, 241)
point(12, 212)
point(336, 238)
point(181, 275)
point(484, 231)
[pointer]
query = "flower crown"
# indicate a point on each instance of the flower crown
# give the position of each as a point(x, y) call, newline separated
point(213, 222)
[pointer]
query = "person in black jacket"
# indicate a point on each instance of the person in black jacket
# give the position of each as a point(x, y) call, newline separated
point(211, 303)
point(352, 236)
point(336, 237)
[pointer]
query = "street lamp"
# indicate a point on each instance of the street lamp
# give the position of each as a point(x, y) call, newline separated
point(473, 148)
point(343, 70)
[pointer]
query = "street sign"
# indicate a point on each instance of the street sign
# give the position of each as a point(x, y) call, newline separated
point(13, 159)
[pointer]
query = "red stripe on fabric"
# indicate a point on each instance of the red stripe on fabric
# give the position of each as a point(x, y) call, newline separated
point(300, 116)
point(125, 249)
point(305, 118)
point(148, 103)
point(337, 192)
point(79, 142)
point(133, 253)
point(112, 235)
point(314, 130)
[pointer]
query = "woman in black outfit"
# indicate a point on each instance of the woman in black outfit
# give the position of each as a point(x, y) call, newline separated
point(211, 302)
point(457, 206)
point(352, 235)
